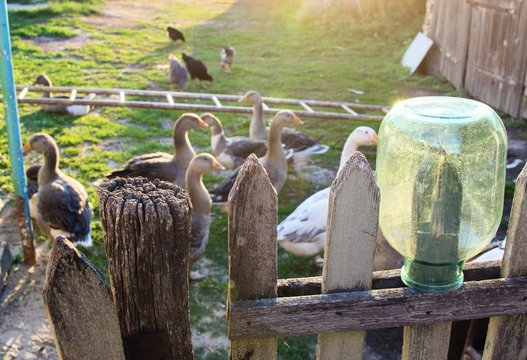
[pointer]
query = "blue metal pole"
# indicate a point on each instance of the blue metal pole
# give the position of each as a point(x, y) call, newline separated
point(13, 134)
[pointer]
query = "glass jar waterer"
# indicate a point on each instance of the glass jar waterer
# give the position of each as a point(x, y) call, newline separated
point(441, 173)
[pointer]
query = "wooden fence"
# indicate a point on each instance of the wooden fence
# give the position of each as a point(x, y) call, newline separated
point(480, 46)
point(144, 313)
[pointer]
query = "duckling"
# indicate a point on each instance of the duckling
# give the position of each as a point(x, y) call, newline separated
point(61, 203)
point(303, 232)
point(177, 72)
point(174, 34)
point(196, 68)
point(231, 152)
point(227, 55)
point(161, 165)
point(75, 110)
point(274, 161)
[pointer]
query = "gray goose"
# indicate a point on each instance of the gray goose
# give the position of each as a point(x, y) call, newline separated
point(274, 161)
point(177, 72)
point(165, 166)
point(231, 152)
point(75, 110)
point(61, 204)
point(302, 145)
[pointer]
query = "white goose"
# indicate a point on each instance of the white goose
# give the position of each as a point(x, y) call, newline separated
point(303, 232)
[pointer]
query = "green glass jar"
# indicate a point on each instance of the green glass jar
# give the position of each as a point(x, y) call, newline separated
point(441, 173)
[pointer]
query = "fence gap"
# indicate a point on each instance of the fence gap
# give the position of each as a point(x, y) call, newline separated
point(349, 250)
point(79, 306)
point(147, 237)
point(253, 211)
point(507, 335)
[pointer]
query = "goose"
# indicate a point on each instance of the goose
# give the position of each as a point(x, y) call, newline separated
point(303, 232)
point(75, 110)
point(196, 68)
point(174, 34)
point(302, 145)
point(177, 72)
point(61, 204)
point(231, 152)
point(227, 55)
point(274, 161)
point(201, 202)
point(165, 166)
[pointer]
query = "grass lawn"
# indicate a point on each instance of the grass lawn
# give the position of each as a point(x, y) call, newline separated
point(278, 53)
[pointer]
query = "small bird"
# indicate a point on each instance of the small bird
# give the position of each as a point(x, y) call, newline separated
point(196, 68)
point(227, 55)
point(175, 34)
point(61, 204)
point(177, 72)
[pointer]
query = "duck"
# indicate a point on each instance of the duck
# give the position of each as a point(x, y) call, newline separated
point(196, 68)
point(299, 143)
point(74, 110)
point(177, 72)
point(165, 166)
point(227, 55)
point(303, 232)
point(174, 34)
point(231, 152)
point(274, 161)
point(201, 203)
point(61, 203)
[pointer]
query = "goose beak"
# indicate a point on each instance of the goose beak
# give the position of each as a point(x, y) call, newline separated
point(374, 138)
point(216, 166)
point(202, 123)
point(26, 148)
point(297, 120)
point(243, 99)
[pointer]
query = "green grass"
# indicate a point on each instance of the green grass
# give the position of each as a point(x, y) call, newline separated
point(277, 53)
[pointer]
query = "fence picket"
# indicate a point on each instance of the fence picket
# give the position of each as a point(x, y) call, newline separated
point(147, 237)
point(427, 341)
point(253, 210)
point(79, 306)
point(507, 335)
point(349, 249)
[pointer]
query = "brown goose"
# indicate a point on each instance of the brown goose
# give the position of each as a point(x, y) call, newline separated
point(62, 206)
point(75, 110)
point(231, 152)
point(164, 166)
point(302, 145)
point(274, 161)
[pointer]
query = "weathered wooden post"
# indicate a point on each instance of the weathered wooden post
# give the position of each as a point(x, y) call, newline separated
point(79, 306)
point(253, 211)
point(350, 246)
point(507, 335)
point(147, 237)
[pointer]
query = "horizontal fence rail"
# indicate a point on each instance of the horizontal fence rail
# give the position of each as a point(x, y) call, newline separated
point(169, 100)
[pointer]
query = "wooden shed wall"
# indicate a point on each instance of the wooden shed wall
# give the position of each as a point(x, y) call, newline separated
point(481, 46)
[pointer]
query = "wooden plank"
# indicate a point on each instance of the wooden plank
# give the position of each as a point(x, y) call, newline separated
point(427, 341)
point(345, 107)
point(23, 93)
point(79, 306)
point(216, 101)
point(353, 215)
point(375, 309)
point(73, 95)
point(383, 279)
point(305, 106)
point(170, 99)
point(147, 236)
point(122, 97)
point(252, 251)
point(504, 329)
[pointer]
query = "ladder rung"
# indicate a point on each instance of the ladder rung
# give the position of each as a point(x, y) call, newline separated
point(73, 94)
point(121, 97)
point(264, 106)
point(304, 105)
point(216, 102)
point(23, 93)
point(170, 99)
point(348, 109)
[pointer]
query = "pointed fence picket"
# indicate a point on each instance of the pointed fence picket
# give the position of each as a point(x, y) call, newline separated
point(339, 307)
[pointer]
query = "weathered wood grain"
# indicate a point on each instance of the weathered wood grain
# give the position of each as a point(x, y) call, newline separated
point(79, 307)
point(253, 211)
point(147, 237)
point(507, 335)
point(474, 271)
point(375, 309)
point(426, 341)
point(349, 249)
